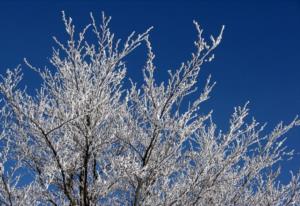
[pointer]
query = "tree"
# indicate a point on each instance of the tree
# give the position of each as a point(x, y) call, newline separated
point(85, 139)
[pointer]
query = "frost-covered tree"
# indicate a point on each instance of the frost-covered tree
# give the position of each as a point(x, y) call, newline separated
point(86, 139)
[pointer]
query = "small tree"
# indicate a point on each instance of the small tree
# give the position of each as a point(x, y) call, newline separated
point(85, 139)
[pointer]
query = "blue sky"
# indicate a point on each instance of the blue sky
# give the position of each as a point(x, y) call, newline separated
point(258, 59)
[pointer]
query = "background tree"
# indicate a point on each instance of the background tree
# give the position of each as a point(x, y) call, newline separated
point(85, 139)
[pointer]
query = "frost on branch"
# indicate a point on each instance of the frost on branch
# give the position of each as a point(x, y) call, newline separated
point(85, 139)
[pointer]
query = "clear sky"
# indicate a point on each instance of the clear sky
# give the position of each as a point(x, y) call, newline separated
point(258, 60)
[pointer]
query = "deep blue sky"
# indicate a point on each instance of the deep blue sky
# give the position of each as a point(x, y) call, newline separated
point(258, 59)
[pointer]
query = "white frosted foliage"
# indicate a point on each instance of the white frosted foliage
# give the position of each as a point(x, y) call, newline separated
point(86, 139)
